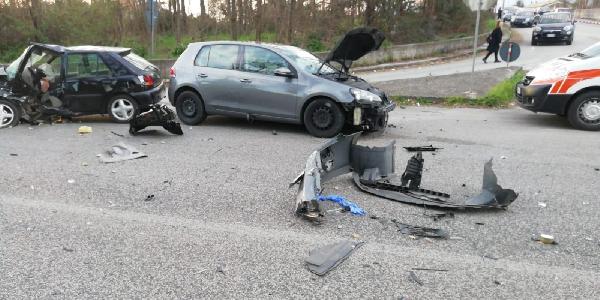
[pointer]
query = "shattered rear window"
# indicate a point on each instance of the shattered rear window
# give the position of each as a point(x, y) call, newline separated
point(139, 62)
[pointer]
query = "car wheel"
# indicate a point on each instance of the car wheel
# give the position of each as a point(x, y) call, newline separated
point(533, 42)
point(584, 111)
point(324, 118)
point(10, 114)
point(122, 108)
point(569, 42)
point(190, 108)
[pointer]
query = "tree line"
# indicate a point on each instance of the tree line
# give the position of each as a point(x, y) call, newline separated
point(313, 24)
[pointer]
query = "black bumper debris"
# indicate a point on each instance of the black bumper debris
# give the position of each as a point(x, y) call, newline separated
point(157, 115)
point(324, 259)
point(373, 173)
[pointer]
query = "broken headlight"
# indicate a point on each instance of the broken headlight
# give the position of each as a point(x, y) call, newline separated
point(365, 97)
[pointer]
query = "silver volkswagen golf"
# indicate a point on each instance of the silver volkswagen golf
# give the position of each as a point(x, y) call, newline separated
point(280, 83)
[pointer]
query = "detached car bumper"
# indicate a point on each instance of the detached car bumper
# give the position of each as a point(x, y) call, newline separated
point(149, 97)
point(536, 98)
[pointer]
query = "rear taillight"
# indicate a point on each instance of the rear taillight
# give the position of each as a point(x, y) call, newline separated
point(172, 72)
point(148, 80)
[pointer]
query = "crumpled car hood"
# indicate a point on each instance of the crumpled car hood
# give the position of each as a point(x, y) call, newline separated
point(355, 44)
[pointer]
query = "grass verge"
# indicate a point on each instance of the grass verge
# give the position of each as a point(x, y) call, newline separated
point(501, 95)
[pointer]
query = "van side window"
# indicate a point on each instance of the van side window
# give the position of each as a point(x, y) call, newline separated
point(202, 57)
point(223, 57)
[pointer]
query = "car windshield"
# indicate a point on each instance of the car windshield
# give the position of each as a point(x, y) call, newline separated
point(306, 60)
point(525, 14)
point(555, 18)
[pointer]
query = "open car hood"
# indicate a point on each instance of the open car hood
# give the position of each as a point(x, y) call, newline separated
point(355, 44)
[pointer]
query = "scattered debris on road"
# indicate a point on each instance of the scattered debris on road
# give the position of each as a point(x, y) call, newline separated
point(429, 148)
point(438, 216)
point(149, 198)
point(274, 132)
point(414, 277)
point(430, 269)
point(156, 115)
point(14, 154)
point(67, 249)
point(347, 205)
point(373, 173)
point(117, 134)
point(221, 268)
point(120, 152)
point(419, 231)
point(541, 204)
point(85, 129)
point(326, 258)
point(545, 239)
point(71, 181)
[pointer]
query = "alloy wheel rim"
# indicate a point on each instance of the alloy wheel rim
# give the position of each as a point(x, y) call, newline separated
point(589, 111)
point(7, 115)
point(122, 109)
point(323, 117)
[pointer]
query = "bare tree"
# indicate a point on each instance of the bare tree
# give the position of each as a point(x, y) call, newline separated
point(258, 20)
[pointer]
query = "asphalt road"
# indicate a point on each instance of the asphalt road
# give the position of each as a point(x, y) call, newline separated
point(221, 202)
point(531, 56)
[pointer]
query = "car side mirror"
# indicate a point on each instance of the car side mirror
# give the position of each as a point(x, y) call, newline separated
point(283, 72)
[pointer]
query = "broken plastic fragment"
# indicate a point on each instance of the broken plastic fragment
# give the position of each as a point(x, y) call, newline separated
point(324, 259)
point(421, 231)
point(85, 129)
point(492, 194)
point(120, 152)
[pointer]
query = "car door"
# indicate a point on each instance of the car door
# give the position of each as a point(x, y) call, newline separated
point(265, 93)
point(216, 68)
point(84, 86)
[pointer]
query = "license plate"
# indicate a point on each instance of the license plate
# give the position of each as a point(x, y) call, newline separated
point(551, 35)
point(518, 90)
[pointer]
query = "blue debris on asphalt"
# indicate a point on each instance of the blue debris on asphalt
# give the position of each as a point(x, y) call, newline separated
point(347, 205)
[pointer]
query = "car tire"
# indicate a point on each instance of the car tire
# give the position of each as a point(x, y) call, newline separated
point(323, 118)
point(533, 42)
point(569, 42)
point(10, 114)
point(584, 111)
point(190, 108)
point(122, 108)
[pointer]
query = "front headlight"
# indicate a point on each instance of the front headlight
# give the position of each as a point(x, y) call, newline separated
point(537, 28)
point(512, 18)
point(568, 28)
point(526, 19)
point(365, 97)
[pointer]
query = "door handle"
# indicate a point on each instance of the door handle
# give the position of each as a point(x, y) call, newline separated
point(245, 80)
point(202, 75)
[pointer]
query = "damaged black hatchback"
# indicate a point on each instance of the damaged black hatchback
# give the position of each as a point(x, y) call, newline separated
point(280, 83)
point(52, 80)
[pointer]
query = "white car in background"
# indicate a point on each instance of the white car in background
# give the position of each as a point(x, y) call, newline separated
point(567, 86)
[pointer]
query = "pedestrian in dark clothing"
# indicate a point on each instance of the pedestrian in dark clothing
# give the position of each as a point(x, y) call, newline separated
point(494, 40)
point(500, 13)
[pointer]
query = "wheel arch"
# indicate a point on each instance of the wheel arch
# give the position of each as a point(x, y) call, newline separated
point(185, 88)
point(579, 93)
point(315, 97)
